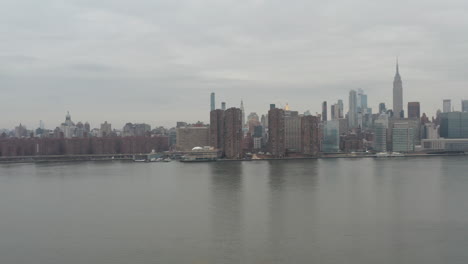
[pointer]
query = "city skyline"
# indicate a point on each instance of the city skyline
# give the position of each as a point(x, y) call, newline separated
point(120, 62)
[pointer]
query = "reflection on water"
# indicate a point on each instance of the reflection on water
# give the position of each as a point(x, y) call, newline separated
point(301, 211)
point(226, 180)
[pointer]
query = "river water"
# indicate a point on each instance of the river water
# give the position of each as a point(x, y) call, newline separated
point(402, 210)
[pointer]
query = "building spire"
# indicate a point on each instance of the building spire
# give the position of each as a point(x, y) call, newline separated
point(397, 67)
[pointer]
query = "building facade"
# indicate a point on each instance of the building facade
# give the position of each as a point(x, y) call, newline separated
point(233, 133)
point(454, 125)
point(190, 137)
point(276, 134)
point(402, 138)
point(414, 110)
point(331, 136)
point(310, 135)
point(292, 131)
point(217, 129)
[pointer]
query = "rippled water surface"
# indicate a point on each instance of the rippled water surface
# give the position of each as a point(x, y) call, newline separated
point(307, 211)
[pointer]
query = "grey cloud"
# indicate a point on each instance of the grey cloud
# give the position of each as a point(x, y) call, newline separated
point(157, 61)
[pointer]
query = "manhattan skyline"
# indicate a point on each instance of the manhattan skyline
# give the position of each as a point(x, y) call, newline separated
point(157, 62)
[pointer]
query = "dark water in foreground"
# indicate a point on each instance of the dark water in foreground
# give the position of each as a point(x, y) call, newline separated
point(310, 211)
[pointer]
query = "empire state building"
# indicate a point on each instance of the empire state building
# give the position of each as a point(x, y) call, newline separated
point(397, 94)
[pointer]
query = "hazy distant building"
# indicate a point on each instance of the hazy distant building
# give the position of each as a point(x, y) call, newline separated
point(190, 137)
point(454, 125)
point(242, 113)
point(87, 127)
point(233, 133)
point(68, 127)
point(292, 131)
point(212, 101)
point(341, 109)
point(382, 108)
point(397, 94)
point(310, 135)
point(106, 129)
point(464, 104)
point(79, 130)
point(402, 138)
point(353, 111)
point(430, 131)
point(324, 111)
point(223, 105)
point(331, 136)
point(276, 140)
point(447, 106)
point(131, 130)
point(414, 110)
point(21, 131)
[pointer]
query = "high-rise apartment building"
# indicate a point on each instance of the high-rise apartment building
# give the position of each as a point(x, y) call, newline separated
point(292, 131)
point(233, 133)
point(223, 105)
point(217, 129)
point(276, 140)
point(310, 135)
point(414, 110)
point(447, 106)
point(398, 94)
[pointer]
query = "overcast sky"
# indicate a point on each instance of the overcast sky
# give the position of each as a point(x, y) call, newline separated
point(157, 61)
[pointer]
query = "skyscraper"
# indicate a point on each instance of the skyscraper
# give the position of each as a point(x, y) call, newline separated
point(397, 93)
point(414, 110)
point(352, 113)
point(447, 107)
point(276, 140)
point(310, 135)
point(223, 105)
point(233, 133)
point(324, 111)
point(217, 129)
point(292, 131)
point(340, 113)
point(213, 101)
point(464, 104)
